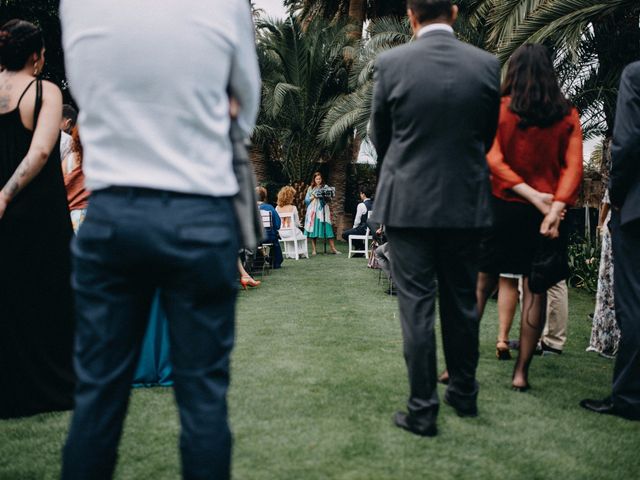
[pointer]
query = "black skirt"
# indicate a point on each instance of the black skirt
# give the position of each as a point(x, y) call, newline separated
point(514, 243)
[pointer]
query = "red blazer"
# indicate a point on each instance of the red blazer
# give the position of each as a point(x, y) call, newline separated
point(548, 159)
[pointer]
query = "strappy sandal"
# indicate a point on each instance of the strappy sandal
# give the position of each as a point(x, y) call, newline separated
point(502, 350)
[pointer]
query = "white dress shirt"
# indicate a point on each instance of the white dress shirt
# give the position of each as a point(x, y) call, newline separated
point(433, 27)
point(152, 84)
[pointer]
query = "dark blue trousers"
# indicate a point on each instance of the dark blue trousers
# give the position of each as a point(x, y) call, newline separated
point(132, 242)
point(625, 242)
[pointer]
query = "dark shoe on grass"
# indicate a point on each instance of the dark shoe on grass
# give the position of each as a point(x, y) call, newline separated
point(606, 407)
point(544, 349)
point(467, 411)
point(410, 424)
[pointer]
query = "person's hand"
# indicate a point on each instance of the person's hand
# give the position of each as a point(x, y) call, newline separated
point(4, 201)
point(542, 201)
point(550, 226)
point(379, 231)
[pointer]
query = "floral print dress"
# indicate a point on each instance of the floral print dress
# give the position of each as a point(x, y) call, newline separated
point(605, 334)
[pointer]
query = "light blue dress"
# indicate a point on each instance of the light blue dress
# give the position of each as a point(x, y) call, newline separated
point(154, 367)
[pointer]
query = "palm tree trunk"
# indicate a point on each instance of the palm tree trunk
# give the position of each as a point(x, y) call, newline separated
point(357, 11)
point(339, 167)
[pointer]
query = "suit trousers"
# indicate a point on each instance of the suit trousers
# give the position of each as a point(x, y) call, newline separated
point(132, 242)
point(425, 262)
point(625, 243)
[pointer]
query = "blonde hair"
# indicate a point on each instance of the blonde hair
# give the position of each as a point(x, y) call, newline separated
point(286, 195)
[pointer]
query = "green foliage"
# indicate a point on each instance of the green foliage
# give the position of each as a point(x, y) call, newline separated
point(352, 110)
point(303, 69)
point(584, 262)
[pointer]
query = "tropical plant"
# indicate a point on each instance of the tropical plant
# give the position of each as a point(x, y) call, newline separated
point(352, 110)
point(584, 263)
point(302, 70)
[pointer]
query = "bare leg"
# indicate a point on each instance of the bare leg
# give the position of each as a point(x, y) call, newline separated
point(332, 245)
point(245, 278)
point(534, 308)
point(313, 246)
point(486, 286)
point(242, 271)
point(508, 297)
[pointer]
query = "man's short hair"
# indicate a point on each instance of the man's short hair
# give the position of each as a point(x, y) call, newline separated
point(426, 10)
point(262, 194)
point(366, 191)
point(71, 113)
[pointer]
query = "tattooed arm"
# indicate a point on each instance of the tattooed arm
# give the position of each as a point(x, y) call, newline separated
point(43, 142)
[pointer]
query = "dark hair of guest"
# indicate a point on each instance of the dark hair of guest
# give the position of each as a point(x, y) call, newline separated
point(262, 194)
point(19, 39)
point(71, 113)
point(426, 10)
point(533, 86)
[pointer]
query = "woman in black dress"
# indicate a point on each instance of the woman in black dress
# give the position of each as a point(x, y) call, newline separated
point(36, 316)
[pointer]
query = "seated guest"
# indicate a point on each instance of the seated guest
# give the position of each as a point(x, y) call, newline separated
point(285, 205)
point(381, 252)
point(271, 234)
point(360, 221)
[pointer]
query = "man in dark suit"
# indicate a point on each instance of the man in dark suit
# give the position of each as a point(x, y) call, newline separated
point(435, 112)
point(624, 191)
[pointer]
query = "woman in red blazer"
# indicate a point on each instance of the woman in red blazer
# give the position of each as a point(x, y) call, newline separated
point(536, 170)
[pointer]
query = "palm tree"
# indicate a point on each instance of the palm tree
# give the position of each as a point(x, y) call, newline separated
point(303, 69)
point(351, 111)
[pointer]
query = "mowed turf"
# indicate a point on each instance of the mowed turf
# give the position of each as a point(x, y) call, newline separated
point(317, 374)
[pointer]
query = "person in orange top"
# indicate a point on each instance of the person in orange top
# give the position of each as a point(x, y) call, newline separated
point(536, 171)
point(77, 194)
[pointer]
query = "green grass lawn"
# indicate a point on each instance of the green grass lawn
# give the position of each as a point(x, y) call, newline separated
point(317, 374)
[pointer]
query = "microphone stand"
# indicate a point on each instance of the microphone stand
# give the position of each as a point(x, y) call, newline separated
point(323, 203)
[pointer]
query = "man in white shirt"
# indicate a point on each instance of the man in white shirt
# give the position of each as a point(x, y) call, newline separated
point(360, 220)
point(153, 87)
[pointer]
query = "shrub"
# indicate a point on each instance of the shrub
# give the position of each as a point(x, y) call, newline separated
point(584, 263)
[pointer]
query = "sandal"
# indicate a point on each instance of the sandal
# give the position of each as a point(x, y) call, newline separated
point(249, 281)
point(502, 350)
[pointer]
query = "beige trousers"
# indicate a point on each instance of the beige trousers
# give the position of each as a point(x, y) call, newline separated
point(555, 330)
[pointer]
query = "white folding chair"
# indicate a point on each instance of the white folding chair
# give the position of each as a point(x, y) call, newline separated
point(288, 238)
point(367, 238)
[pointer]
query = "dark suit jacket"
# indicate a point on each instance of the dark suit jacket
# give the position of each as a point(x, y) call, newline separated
point(624, 187)
point(435, 112)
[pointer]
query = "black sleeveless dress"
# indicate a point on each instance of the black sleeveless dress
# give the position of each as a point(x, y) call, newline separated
point(36, 314)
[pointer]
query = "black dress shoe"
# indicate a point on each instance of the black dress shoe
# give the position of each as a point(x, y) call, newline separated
point(606, 407)
point(462, 412)
point(409, 423)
